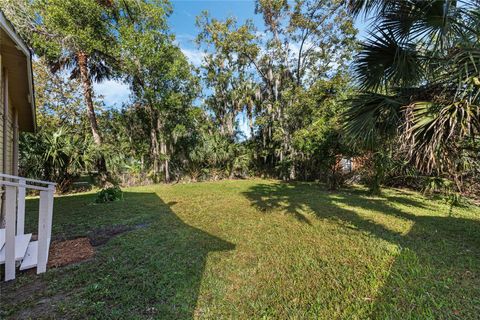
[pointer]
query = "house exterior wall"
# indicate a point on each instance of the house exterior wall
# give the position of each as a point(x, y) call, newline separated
point(8, 156)
point(7, 151)
point(2, 107)
point(17, 108)
point(9, 148)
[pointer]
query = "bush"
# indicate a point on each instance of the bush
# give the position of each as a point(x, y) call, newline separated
point(109, 195)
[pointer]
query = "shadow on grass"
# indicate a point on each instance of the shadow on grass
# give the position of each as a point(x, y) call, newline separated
point(153, 272)
point(436, 273)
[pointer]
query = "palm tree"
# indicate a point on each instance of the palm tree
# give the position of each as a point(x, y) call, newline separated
point(73, 36)
point(418, 74)
point(86, 67)
point(76, 36)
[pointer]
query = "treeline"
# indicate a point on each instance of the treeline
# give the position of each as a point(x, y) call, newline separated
point(403, 104)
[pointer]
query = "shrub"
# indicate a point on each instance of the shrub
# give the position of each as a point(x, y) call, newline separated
point(109, 195)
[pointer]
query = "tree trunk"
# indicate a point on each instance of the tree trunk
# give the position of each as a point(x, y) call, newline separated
point(82, 58)
point(154, 151)
point(87, 93)
point(154, 145)
point(293, 172)
point(167, 171)
point(163, 151)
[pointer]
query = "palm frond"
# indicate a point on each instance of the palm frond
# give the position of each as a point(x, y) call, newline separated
point(372, 117)
point(369, 6)
point(384, 61)
point(430, 22)
point(434, 133)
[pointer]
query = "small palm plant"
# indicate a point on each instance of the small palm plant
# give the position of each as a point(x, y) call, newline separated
point(60, 156)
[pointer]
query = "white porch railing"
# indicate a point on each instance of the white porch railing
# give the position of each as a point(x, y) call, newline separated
point(16, 247)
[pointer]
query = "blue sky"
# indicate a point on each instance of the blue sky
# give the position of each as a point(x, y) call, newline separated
point(182, 24)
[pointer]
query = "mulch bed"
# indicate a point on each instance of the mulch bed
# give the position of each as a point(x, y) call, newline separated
point(64, 252)
point(67, 252)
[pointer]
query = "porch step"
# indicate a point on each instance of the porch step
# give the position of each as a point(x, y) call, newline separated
point(21, 244)
point(2, 238)
point(30, 259)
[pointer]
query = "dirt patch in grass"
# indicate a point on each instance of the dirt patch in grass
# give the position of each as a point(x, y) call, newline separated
point(101, 236)
point(34, 299)
point(66, 252)
point(18, 295)
point(43, 308)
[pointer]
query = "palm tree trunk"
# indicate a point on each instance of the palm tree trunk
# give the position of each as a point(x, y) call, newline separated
point(82, 58)
point(87, 93)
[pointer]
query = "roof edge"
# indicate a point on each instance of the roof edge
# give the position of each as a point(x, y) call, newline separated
point(22, 46)
point(10, 30)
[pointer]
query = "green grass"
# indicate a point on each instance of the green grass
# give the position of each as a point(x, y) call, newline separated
point(261, 249)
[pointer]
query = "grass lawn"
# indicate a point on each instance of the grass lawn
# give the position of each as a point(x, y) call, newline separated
point(260, 249)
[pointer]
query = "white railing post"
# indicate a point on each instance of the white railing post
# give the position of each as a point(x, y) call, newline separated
point(21, 207)
point(42, 254)
point(10, 199)
point(51, 192)
point(14, 206)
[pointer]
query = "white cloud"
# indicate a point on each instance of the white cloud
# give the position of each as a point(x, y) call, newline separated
point(114, 92)
point(184, 39)
point(194, 56)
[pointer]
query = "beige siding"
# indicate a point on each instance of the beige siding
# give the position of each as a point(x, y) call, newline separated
point(10, 128)
point(1, 136)
point(2, 80)
point(9, 168)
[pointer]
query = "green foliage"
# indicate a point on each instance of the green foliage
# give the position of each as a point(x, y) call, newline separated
point(265, 79)
point(82, 25)
point(58, 156)
point(291, 99)
point(60, 30)
point(318, 138)
point(216, 157)
point(74, 36)
point(109, 195)
point(161, 80)
point(58, 99)
point(62, 148)
point(418, 72)
point(415, 117)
